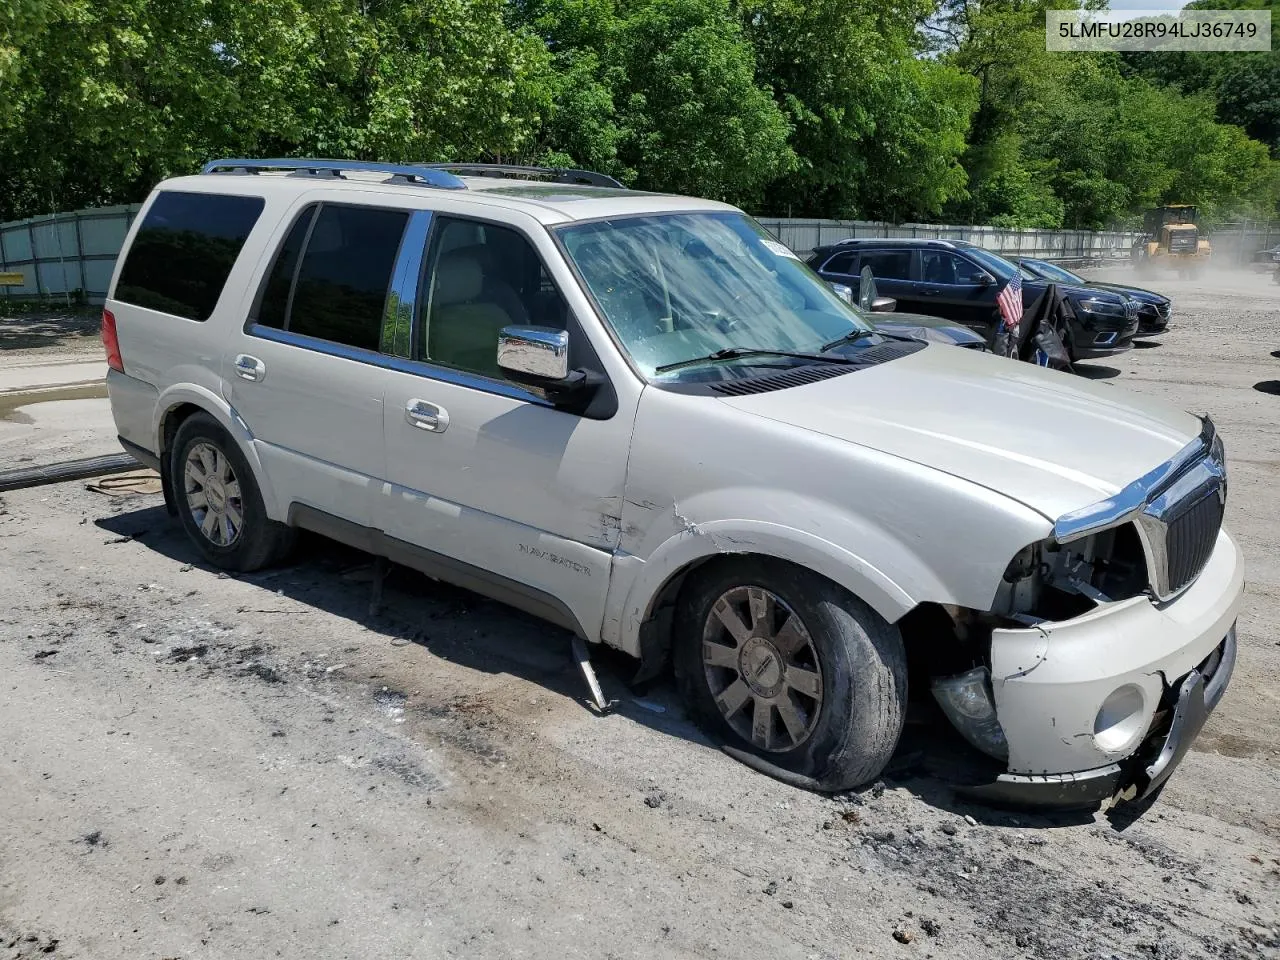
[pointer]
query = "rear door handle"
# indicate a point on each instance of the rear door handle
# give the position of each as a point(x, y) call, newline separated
point(931, 292)
point(427, 416)
point(250, 368)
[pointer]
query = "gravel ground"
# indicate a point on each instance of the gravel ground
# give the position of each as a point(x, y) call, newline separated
point(202, 766)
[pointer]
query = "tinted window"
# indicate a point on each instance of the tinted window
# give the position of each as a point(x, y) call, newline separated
point(275, 296)
point(938, 266)
point(841, 263)
point(480, 279)
point(341, 288)
point(888, 264)
point(184, 251)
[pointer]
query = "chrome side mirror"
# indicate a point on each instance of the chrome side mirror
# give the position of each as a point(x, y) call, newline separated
point(843, 291)
point(534, 353)
point(884, 305)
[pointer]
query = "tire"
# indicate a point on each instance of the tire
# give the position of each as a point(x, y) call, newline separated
point(256, 541)
point(840, 648)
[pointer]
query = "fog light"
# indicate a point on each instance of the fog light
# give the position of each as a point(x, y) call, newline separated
point(966, 700)
point(1106, 339)
point(1122, 720)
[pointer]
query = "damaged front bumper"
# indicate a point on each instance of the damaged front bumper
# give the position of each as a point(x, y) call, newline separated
point(1106, 705)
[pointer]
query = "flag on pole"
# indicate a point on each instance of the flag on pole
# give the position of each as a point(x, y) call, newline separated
point(1010, 303)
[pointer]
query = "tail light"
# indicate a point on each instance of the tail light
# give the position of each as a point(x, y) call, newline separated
point(111, 341)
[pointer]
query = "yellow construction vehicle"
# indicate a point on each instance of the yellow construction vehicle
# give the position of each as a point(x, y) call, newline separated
point(1171, 238)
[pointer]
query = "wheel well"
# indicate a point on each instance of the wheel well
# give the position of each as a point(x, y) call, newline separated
point(173, 419)
point(655, 628)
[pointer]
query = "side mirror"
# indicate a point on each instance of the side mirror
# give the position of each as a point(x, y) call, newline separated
point(843, 291)
point(536, 355)
point(884, 305)
point(982, 279)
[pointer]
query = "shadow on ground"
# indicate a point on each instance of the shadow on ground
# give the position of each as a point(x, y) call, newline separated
point(35, 331)
point(1146, 344)
point(1268, 386)
point(1095, 371)
point(481, 634)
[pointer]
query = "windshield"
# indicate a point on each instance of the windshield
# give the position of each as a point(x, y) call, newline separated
point(676, 287)
point(998, 265)
point(1052, 272)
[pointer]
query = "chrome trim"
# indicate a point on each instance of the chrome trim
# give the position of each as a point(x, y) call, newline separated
point(1127, 503)
point(535, 351)
point(397, 323)
point(1106, 339)
point(426, 416)
point(415, 367)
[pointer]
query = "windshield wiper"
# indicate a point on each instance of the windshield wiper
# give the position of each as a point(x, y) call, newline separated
point(853, 336)
point(732, 353)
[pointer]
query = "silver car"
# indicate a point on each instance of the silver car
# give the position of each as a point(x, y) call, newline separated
point(642, 419)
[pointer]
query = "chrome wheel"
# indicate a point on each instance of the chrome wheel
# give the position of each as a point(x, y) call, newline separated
point(213, 494)
point(762, 668)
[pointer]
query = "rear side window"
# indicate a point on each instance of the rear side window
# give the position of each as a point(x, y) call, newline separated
point(888, 264)
point(331, 276)
point(184, 251)
point(841, 262)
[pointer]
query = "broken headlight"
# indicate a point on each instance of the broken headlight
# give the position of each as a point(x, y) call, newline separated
point(967, 701)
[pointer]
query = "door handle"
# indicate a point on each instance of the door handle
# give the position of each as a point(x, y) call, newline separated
point(427, 416)
point(931, 292)
point(250, 368)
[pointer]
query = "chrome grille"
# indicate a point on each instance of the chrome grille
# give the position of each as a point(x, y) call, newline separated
point(1189, 540)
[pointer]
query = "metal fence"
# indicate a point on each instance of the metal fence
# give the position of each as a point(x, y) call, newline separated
point(803, 236)
point(63, 253)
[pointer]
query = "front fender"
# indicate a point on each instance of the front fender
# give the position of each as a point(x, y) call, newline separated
point(173, 397)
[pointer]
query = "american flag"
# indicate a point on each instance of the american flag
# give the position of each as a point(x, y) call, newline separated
point(1010, 303)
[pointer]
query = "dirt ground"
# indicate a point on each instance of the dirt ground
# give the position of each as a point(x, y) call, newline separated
point(193, 765)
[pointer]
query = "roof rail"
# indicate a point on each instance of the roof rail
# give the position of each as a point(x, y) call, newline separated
point(406, 173)
point(550, 174)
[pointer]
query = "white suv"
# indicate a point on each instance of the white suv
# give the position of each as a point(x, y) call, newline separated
point(641, 418)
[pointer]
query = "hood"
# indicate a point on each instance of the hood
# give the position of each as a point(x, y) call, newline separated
point(1135, 293)
point(1052, 441)
point(922, 327)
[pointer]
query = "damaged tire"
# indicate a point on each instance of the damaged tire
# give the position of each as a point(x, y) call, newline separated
point(793, 674)
point(218, 500)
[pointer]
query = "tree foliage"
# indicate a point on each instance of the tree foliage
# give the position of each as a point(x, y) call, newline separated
point(906, 110)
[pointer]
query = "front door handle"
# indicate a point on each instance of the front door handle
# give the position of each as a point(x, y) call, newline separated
point(931, 292)
point(427, 416)
point(250, 368)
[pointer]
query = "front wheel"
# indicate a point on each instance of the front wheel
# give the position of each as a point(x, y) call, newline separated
point(791, 672)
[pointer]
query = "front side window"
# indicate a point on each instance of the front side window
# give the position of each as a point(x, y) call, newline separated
point(675, 287)
point(1002, 269)
point(331, 275)
point(184, 250)
point(841, 263)
point(480, 278)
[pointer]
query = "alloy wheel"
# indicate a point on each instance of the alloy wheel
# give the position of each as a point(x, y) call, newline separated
point(762, 668)
point(213, 494)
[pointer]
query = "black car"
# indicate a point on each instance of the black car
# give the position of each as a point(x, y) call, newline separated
point(1154, 309)
point(956, 280)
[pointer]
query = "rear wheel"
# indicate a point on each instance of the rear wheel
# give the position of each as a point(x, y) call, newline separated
point(796, 676)
point(218, 499)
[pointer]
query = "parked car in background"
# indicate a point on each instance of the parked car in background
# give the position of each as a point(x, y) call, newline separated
point(959, 281)
point(639, 417)
point(1267, 259)
point(1154, 309)
point(881, 312)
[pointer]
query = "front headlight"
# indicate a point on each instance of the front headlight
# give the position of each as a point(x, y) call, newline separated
point(966, 700)
point(1102, 308)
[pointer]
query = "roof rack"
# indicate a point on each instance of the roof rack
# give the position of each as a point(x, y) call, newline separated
point(421, 174)
point(549, 174)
